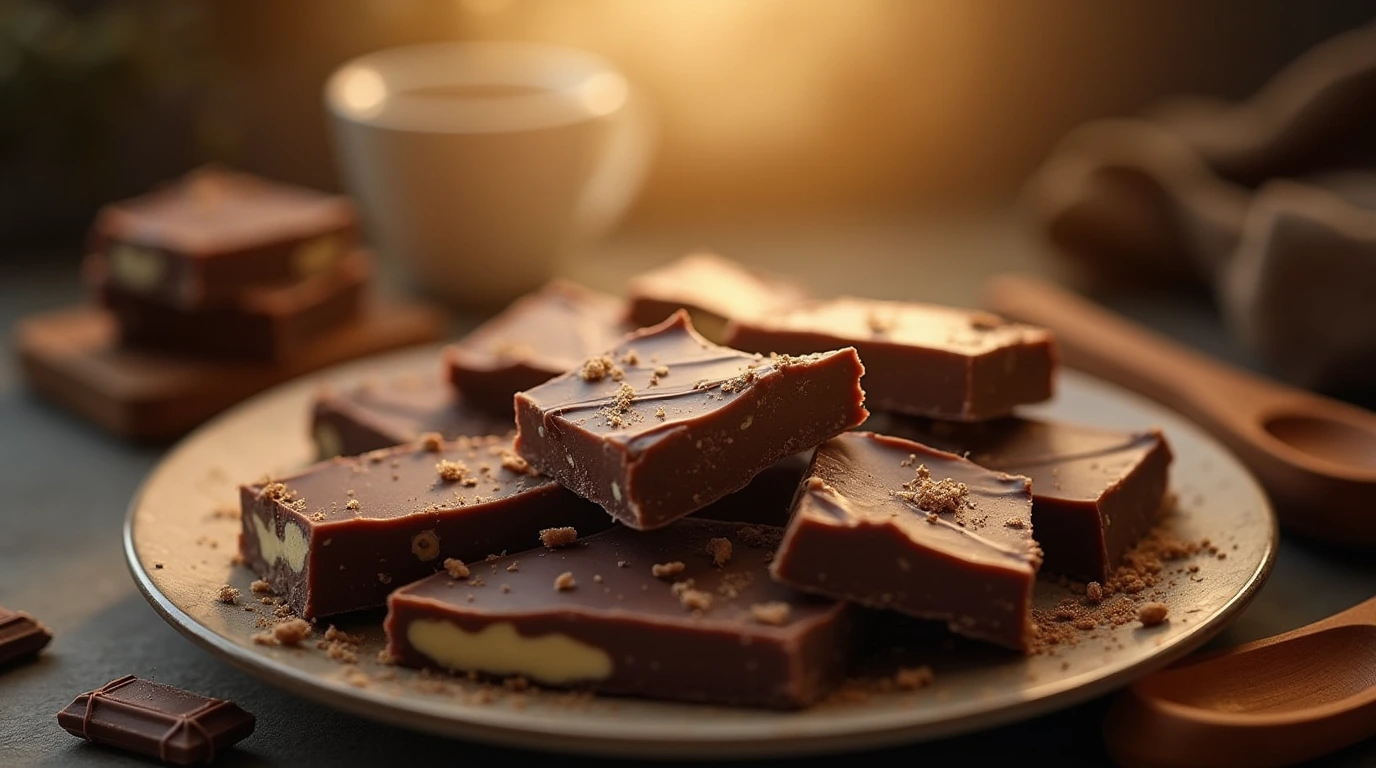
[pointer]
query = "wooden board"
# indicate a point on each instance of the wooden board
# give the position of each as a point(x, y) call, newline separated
point(71, 358)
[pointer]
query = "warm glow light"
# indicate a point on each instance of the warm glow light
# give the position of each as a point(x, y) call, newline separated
point(603, 93)
point(484, 7)
point(362, 91)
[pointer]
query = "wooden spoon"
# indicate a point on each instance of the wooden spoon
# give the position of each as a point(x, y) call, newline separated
point(1278, 701)
point(1315, 456)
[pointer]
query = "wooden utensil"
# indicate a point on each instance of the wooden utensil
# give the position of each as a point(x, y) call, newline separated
point(1278, 701)
point(1315, 456)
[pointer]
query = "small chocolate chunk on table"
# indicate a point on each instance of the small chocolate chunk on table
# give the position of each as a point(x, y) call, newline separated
point(538, 337)
point(386, 411)
point(21, 636)
point(203, 238)
point(713, 289)
point(889, 523)
point(920, 359)
point(157, 720)
point(666, 422)
point(344, 533)
point(1095, 492)
point(686, 612)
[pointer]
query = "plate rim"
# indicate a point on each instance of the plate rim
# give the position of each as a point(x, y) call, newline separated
point(475, 724)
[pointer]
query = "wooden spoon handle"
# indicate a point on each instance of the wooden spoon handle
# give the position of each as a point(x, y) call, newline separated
point(1105, 345)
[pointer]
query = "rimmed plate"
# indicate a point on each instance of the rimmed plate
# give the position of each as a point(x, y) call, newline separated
point(180, 552)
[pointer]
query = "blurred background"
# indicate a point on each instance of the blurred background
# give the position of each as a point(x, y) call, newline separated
point(765, 107)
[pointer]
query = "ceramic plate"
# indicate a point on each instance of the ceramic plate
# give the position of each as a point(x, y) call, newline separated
point(179, 551)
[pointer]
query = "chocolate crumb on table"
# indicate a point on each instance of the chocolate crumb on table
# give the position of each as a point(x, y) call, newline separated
point(228, 595)
point(291, 632)
point(1153, 613)
point(720, 550)
point(554, 538)
point(912, 678)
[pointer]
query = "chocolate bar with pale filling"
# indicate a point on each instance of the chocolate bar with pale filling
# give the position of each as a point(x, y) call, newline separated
point(384, 411)
point(1095, 492)
point(920, 359)
point(686, 612)
point(342, 534)
point(892, 524)
point(666, 422)
point(713, 289)
point(538, 337)
point(200, 240)
point(265, 322)
point(175, 726)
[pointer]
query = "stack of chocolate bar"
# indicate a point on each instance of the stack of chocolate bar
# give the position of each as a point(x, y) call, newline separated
point(225, 265)
point(695, 519)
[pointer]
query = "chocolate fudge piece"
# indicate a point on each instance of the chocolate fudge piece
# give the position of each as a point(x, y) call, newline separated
point(387, 411)
point(889, 523)
point(268, 322)
point(920, 359)
point(666, 422)
point(1095, 492)
point(713, 289)
point(538, 337)
point(202, 239)
point(21, 636)
point(767, 500)
point(342, 534)
point(160, 721)
point(686, 612)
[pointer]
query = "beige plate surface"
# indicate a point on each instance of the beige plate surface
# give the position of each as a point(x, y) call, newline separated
point(171, 523)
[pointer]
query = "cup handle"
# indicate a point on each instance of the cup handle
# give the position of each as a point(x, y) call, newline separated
point(625, 158)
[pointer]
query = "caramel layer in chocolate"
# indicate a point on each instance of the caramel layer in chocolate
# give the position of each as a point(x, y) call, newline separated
point(686, 612)
point(201, 239)
point(344, 533)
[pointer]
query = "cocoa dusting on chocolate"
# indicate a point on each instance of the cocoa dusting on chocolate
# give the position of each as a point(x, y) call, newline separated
point(773, 613)
point(617, 413)
point(666, 570)
point(912, 678)
point(554, 538)
point(741, 381)
point(1152, 614)
point(452, 471)
point(455, 568)
point(695, 599)
point(564, 582)
point(228, 595)
point(937, 496)
point(599, 368)
point(276, 492)
point(720, 550)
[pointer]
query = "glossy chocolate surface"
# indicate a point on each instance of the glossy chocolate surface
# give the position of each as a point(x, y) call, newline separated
point(713, 289)
point(341, 535)
point(269, 322)
point(387, 411)
point(21, 636)
point(1095, 491)
point(172, 725)
point(667, 422)
point(971, 564)
point(199, 240)
point(920, 359)
point(622, 629)
point(538, 337)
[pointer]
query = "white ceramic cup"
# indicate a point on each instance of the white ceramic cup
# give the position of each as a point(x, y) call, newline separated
point(479, 165)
